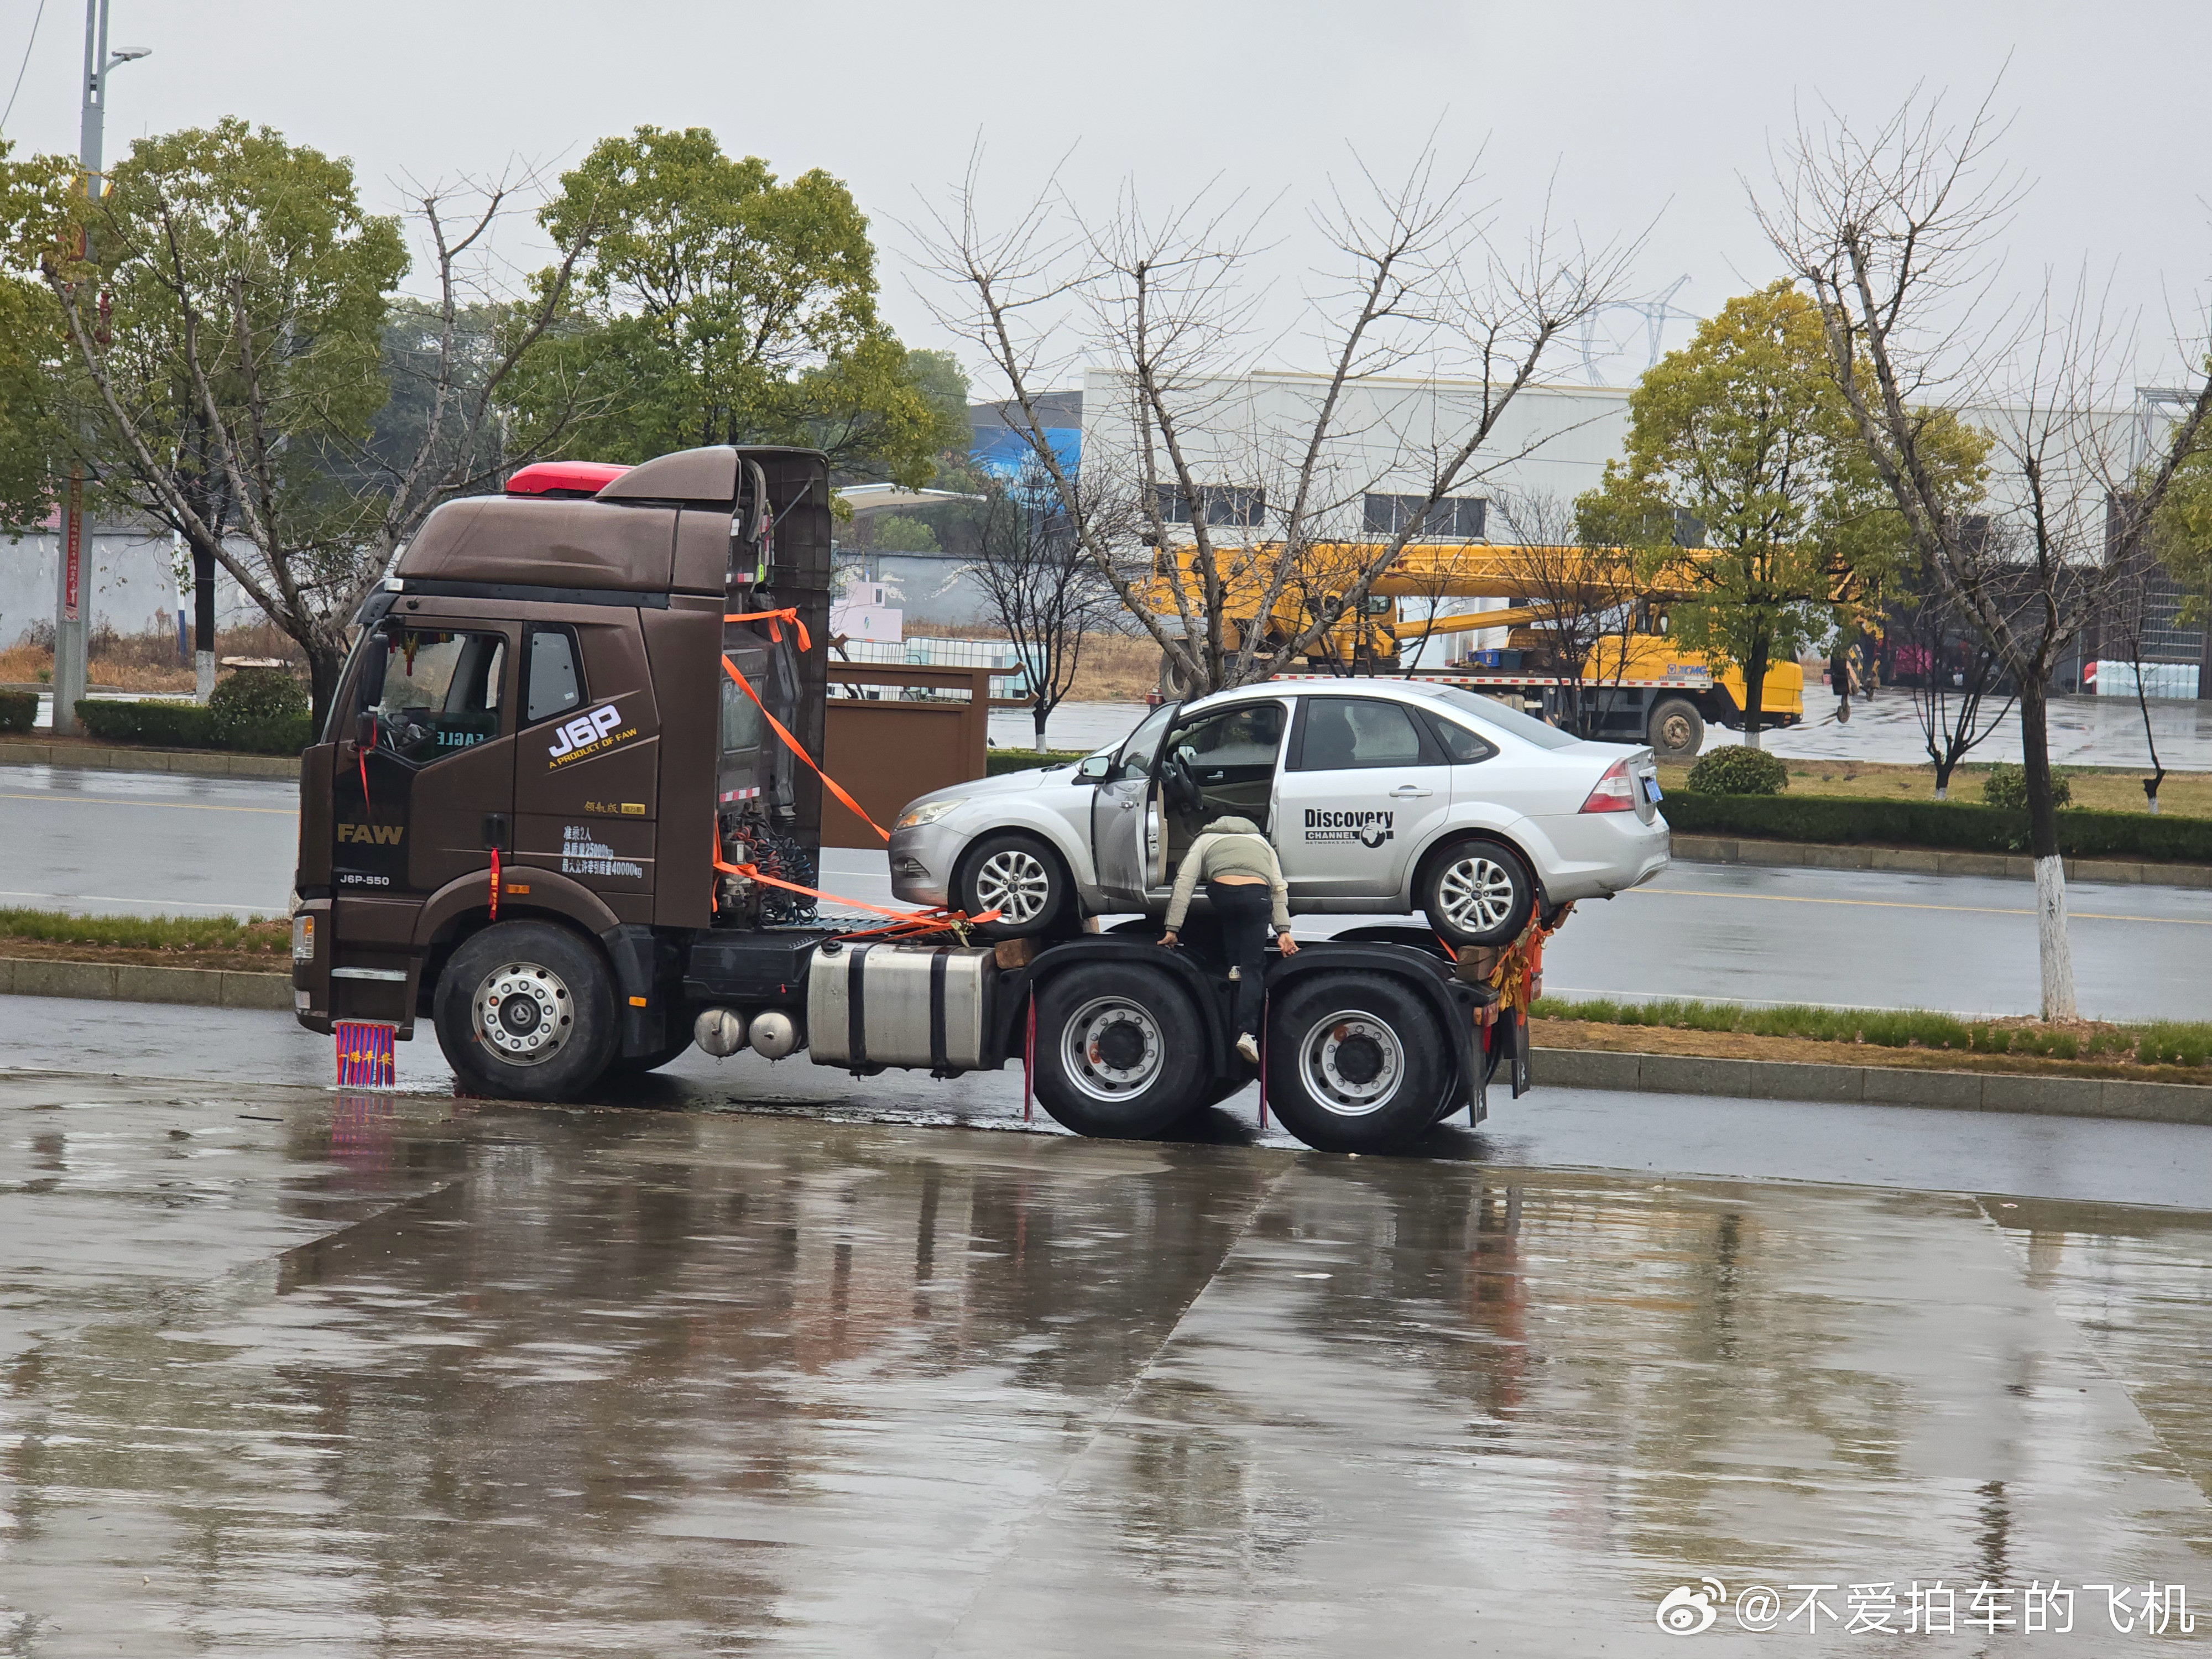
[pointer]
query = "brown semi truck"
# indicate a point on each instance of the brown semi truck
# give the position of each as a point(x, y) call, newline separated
point(557, 788)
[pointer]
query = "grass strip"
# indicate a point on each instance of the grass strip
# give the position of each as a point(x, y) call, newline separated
point(227, 934)
point(2160, 1043)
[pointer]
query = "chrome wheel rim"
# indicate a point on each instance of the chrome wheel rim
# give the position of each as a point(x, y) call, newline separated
point(1351, 1063)
point(1015, 883)
point(1111, 1048)
point(1476, 893)
point(524, 1014)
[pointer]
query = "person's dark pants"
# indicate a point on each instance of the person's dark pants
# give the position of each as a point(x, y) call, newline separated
point(1244, 909)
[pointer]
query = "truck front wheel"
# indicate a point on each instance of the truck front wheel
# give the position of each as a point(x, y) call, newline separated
point(1117, 1050)
point(524, 1011)
point(1355, 1062)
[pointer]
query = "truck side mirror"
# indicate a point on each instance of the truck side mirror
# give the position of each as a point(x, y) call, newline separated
point(364, 728)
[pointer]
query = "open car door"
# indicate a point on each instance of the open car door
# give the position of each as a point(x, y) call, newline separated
point(1127, 843)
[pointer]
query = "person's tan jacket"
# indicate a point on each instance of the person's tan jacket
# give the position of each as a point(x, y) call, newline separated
point(1229, 847)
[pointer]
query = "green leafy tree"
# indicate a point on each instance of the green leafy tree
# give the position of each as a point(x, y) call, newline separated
point(228, 323)
point(719, 304)
point(2181, 533)
point(1744, 431)
point(37, 214)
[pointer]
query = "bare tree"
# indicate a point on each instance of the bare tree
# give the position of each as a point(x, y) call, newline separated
point(1168, 302)
point(1585, 600)
point(1951, 678)
point(2131, 619)
point(1893, 233)
point(274, 442)
point(1041, 586)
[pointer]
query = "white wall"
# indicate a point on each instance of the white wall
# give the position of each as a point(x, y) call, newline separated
point(130, 584)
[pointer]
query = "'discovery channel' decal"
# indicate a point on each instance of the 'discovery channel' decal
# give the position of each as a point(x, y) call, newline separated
point(1370, 829)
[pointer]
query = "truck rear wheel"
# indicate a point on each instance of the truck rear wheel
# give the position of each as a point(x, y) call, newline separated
point(1676, 731)
point(1355, 1062)
point(1117, 1050)
point(524, 1011)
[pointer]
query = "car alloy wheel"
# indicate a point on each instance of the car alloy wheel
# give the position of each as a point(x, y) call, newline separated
point(1476, 892)
point(1112, 1048)
point(1015, 883)
point(1351, 1063)
point(524, 1013)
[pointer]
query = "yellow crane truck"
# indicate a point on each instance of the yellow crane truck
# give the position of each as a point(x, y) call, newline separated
point(1635, 682)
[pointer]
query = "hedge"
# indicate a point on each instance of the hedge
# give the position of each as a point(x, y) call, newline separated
point(19, 710)
point(1000, 761)
point(187, 726)
point(1949, 826)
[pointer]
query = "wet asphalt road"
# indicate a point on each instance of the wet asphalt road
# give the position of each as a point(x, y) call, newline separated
point(296, 1372)
point(137, 842)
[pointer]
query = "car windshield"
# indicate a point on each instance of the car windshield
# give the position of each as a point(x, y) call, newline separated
point(1491, 711)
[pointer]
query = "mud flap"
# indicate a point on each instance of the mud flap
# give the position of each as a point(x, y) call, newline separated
point(644, 1019)
point(1520, 1051)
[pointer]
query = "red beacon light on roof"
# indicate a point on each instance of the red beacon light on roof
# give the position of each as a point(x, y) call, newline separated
point(569, 480)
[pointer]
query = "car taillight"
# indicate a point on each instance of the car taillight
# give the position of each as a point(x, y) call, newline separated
point(1615, 791)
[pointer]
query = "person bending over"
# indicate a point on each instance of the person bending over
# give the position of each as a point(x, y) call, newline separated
point(1244, 884)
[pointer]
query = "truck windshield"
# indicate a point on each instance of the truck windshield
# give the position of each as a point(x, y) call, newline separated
point(1493, 713)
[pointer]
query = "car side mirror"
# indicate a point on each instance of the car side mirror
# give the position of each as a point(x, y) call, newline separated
point(1094, 767)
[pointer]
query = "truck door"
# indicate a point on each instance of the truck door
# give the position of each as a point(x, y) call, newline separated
point(427, 781)
point(1125, 818)
point(1365, 784)
point(587, 759)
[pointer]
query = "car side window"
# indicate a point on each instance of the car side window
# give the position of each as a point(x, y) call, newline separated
point(555, 680)
point(1339, 734)
point(1464, 747)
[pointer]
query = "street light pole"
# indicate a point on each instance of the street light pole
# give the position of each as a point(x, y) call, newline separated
point(70, 601)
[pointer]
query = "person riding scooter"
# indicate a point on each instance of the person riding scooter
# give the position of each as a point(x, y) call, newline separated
point(1244, 884)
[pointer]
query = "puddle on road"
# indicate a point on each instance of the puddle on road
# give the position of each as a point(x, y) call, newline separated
point(380, 1378)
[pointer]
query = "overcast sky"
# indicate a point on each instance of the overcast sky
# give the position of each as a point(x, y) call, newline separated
point(1644, 113)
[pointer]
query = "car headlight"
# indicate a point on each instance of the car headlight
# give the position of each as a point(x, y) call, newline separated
point(929, 812)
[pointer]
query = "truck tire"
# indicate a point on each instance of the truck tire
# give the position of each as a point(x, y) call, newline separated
point(1676, 731)
point(1117, 1050)
point(1355, 1062)
point(525, 1011)
point(1019, 877)
point(1477, 892)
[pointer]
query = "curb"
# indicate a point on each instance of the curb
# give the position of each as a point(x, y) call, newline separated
point(191, 763)
point(1927, 861)
point(1873, 1085)
point(103, 982)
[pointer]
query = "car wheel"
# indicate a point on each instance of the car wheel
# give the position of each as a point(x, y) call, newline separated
point(1021, 879)
point(1676, 730)
point(1478, 892)
point(1355, 1062)
point(1115, 1049)
point(525, 1011)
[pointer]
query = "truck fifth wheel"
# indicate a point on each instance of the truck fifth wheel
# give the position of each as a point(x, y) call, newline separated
point(566, 753)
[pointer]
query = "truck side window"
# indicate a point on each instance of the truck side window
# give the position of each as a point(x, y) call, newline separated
point(553, 683)
point(440, 692)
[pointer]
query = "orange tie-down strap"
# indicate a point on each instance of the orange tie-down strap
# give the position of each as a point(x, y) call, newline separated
point(902, 921)
point(775, 619)
point(792, 743)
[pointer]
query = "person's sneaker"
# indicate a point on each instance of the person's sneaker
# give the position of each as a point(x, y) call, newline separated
point(1248, 1046)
